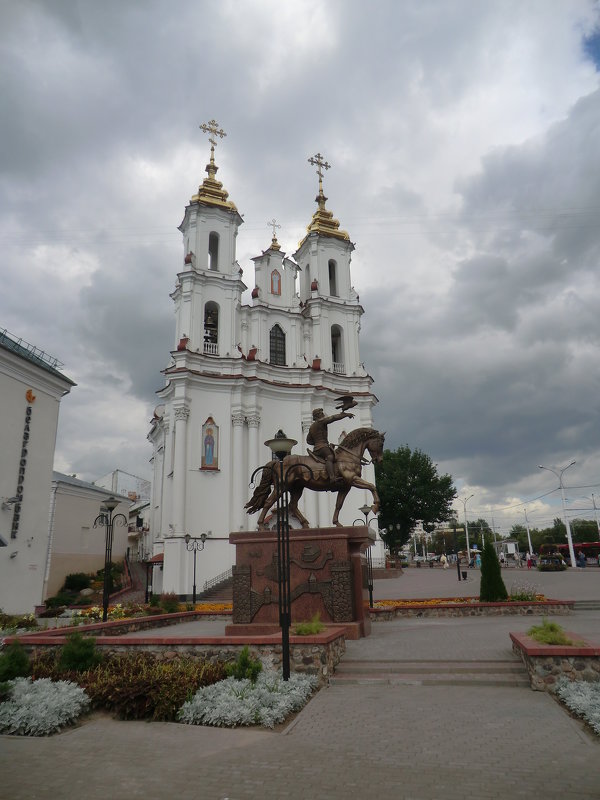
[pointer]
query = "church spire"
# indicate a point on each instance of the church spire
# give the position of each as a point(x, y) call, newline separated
point(210, 191)
point(274, 243)
point(323, 221)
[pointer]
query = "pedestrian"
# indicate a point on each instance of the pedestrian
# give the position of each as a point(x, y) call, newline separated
point(580, 559)
point(502, 559)
point(529, 561)
point(444, 561)
point(478, 561)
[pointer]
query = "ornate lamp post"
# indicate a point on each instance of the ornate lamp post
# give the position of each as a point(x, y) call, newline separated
point(195, 545)
point(105, 519)
point(366, 510)
point(281, 447)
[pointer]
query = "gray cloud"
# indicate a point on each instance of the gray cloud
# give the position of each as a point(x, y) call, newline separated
point(463, 139)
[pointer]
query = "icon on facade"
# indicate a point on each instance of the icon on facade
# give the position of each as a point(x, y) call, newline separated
point(210, 445)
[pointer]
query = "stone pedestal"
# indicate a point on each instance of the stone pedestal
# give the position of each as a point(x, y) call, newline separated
point(327, 576)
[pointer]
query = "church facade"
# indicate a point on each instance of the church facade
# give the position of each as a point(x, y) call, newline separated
point(239, 373)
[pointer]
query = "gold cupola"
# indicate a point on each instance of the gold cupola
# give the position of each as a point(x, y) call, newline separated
point(323, 221)
point(210, 191)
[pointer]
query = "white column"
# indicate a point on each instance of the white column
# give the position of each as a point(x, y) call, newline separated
point(253, 421)
point(179, 470)
point(238, 495)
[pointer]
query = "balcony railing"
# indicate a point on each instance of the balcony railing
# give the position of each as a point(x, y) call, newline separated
point(211, 349)
point(339, 367)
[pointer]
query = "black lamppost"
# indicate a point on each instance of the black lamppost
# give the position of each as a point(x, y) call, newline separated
point(366, 510)
point(195, 545)
point(281, 447)
point(105, 519)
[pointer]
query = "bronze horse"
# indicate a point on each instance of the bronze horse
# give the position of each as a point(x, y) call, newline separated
point(308, 472)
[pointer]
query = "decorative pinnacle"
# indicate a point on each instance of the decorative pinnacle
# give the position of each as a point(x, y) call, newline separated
point(318, 161)
point(212, 128)
point(273, 224)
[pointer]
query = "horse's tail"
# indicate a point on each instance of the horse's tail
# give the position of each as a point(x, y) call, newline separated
point(262, 491)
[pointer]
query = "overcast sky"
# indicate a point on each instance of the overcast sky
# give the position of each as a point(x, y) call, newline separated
point(464, 139)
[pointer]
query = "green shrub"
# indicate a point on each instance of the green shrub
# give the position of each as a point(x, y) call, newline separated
point(77, 581)
point(309, 628)
point(14, 662)
point(169, 602)
point(550, 633)
point(61, 599)
point(154, 600)
point(491, 588)
point(244, 667)
point(79, 654)
point(15, 621)
point(4, 691)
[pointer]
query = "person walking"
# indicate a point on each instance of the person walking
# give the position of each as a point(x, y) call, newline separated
point(444, 561)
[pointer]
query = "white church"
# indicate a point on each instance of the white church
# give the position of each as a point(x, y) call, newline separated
point(238, 373)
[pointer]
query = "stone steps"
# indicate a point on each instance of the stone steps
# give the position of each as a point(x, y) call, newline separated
point(432, 673)
point(587, 605)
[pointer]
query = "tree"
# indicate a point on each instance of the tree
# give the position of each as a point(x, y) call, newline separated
point(411, 491)
point(492, 588)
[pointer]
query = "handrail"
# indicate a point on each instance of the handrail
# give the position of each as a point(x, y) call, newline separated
point(218, 579)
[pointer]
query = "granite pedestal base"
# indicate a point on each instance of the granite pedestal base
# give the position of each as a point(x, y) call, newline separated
point(327, 577)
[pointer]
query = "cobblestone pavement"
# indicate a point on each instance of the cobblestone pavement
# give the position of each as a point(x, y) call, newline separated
point(572, 584)
point(405, 742)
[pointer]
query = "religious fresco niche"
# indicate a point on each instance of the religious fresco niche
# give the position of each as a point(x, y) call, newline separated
point(210, 445)
point(275, 282)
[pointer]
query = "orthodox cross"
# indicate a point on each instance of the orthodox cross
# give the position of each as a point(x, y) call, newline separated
point(212, 127)
point(317, 160)
point(273, 224)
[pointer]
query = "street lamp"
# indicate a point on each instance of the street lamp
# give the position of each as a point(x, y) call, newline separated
point(106, 520)
point(366, 510)
point(593, 499)
point(464, 502)
point(528, 533)
point(195, 545)
point(559, 473)
point(281, 447)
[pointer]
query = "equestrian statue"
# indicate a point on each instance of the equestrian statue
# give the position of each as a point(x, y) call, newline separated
point(327, 468)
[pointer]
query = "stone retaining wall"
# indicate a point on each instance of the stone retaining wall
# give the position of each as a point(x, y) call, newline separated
point(545, 607)
point(118, 627)
point(547, 663)
point(316, 655)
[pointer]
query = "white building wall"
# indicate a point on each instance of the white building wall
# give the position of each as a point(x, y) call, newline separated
point(23, 558)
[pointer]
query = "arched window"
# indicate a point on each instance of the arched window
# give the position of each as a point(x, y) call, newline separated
point(211, 329)
point(275, 282)
point(332, 278)
point(337, 355)
point(213, 251)
point(277, 346)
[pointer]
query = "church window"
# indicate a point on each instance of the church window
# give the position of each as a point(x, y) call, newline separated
point(332, 278)
point(337, 355)
point(211, 329)
point(277, 346)
point(275, 282)
point(213, 251)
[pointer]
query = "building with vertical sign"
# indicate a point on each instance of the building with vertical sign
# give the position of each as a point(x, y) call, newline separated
point(31, 388)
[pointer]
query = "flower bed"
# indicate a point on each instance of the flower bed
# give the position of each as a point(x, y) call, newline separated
point(466, 606)
point(547, 663)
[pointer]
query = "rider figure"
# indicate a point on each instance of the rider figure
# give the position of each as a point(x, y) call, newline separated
point(317, 437)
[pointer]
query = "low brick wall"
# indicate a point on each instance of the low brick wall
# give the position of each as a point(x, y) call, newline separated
point(547, 663)
point(544, 607)
point(316, 655)
point(118, 627)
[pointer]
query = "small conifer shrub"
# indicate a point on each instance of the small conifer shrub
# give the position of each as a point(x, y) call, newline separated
point(492, 588)
point(79, 654)
point(244, 667)
point(14, 662)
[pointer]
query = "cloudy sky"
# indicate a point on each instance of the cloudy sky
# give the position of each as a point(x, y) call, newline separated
point(464, 143)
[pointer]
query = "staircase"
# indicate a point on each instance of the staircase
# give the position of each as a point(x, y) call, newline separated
point(587, 605)
point(219, 589)
point(432, 673)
